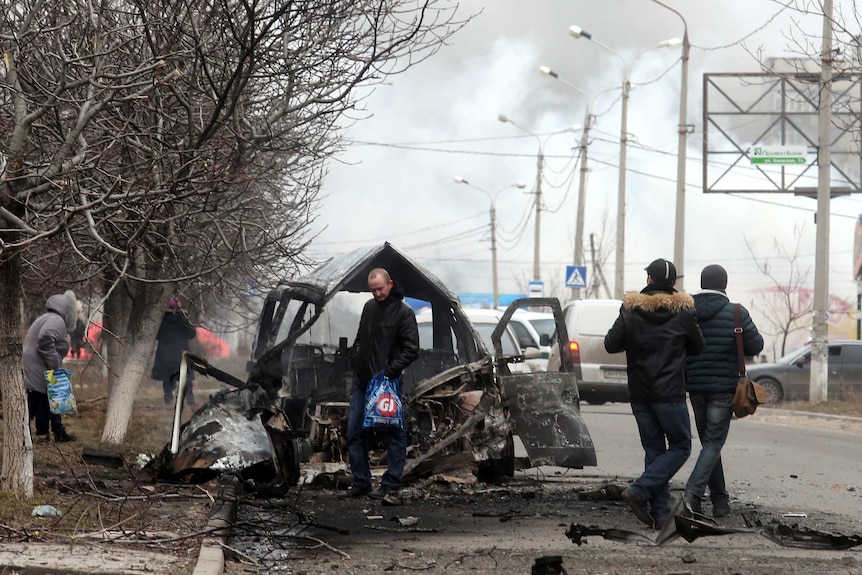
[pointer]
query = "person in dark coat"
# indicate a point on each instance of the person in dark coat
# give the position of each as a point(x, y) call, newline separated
point(175, 333)
point(657, 328)
point(79, 334)
point(711, 382)
point(45, 346)
point(387, 340)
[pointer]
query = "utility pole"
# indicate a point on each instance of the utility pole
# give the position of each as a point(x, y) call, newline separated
point(492, 198)
point(682, 128)
point(540, 161)
point(578, 32)
point(620, 274)
point(817, 391)
point(582, 190)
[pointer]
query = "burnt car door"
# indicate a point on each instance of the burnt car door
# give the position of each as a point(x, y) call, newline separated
point(545, 406)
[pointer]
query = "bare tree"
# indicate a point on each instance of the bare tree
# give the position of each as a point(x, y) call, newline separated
point(783, 304)
point(174, 143)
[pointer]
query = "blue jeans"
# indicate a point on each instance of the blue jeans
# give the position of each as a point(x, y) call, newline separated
point(712, 415)
point(357, 449)
point(665, 432)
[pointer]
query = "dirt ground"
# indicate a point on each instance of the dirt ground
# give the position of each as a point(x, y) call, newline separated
point(445, 527)
point(116, 521)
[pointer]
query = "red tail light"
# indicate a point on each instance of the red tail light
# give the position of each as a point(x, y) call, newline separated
point(575, 352)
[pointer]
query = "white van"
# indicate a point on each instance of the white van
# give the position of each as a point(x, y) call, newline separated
point(601, 375)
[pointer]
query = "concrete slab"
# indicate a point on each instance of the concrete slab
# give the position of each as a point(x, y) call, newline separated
point(77, 558)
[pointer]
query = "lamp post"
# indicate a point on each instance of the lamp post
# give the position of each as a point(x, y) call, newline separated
point(540, 162)
point(493, 211)
point(579, 216)
point(682, 128)
point(619, 274)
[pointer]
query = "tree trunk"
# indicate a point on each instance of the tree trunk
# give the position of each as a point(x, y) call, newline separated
point(144, 320)
point(115, 321)
point(17, 473)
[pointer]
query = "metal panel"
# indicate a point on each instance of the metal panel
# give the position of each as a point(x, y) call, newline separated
point(741, 111)
point(544, 408)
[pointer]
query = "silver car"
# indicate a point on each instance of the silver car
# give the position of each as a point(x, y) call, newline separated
point(789, 378)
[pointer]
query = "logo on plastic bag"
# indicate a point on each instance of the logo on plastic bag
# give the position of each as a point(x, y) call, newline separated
point(383, 409)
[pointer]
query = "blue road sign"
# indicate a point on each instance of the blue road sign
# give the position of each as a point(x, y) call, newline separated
point(576, 276)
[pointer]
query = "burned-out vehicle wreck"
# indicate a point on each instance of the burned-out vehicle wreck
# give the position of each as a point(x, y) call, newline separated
point(464, 405)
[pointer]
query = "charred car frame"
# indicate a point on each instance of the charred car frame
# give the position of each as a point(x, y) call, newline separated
point(463, 404)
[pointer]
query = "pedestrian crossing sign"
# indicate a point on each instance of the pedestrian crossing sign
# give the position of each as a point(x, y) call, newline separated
point(576, 276)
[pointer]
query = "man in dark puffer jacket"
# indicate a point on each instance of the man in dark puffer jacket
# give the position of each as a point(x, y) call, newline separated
point(657, 328)
point(387, 340)
point(711, 381)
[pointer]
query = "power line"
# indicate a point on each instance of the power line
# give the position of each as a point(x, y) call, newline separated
point(734, 194)
point(449, 239)
point(410, 233)
point(750, 34)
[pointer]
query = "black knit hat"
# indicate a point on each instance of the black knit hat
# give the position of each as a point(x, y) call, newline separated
point(661, 271)
point(713, 277)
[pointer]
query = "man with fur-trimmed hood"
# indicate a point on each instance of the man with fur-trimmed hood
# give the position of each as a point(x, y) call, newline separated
point(657, 328)
point(45, 346)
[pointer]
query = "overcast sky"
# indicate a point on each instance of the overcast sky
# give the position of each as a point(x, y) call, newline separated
point(439, 120)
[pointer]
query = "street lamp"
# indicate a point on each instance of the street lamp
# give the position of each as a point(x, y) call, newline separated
point(540, 162)
point(579, 217)
point(682, 129)
point(493, 200)
point(577, 32)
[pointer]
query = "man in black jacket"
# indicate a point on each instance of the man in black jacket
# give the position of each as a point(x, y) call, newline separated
point(657, 328)
point(711, 382)
point(387, 341)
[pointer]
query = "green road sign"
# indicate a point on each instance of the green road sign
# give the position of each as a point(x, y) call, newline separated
point(773, 155)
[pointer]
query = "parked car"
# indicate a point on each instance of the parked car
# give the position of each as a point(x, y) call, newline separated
point(484, 321)
point(789, 378)
point(464, 401)
point(601, 376)
point(534, 330)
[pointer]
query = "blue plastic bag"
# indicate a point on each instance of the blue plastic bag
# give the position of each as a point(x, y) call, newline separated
point(61, 400)
point(383, 408)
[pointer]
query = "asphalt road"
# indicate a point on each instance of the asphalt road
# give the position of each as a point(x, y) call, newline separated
point(772, 458)
point(777, 463)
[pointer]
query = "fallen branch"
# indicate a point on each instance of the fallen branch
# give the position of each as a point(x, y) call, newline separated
point(398, 565)
point(321, 543)
point(461, 559)
point(119, 536)
point(403, 529)
point(106, 529)
point(239, 553)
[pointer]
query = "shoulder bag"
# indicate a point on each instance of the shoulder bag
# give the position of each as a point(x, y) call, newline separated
point(748, 394)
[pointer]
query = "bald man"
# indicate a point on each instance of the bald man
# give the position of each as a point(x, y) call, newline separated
point(387, 341)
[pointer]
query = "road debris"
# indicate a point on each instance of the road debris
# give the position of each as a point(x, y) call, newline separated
point(690, 526)
point(46, 511)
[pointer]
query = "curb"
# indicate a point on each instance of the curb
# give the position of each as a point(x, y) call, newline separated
point(812, 414)
point(211, 556)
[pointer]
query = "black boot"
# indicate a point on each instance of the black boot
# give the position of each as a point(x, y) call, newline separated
point(63, 437)
point(355, 491)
